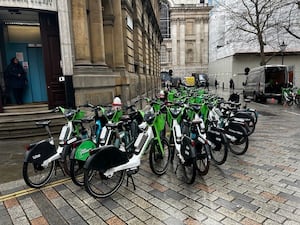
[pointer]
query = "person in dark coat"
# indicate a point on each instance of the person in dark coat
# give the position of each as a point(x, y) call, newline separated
point(216, 84)
point(16, 78)
point(231, 84)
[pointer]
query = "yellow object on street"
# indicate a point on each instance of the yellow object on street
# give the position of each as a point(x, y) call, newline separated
point(189, 81)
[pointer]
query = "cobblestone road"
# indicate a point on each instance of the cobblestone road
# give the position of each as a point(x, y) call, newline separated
point(260, 187)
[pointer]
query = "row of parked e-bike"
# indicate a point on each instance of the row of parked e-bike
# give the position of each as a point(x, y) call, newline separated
point(187, 128)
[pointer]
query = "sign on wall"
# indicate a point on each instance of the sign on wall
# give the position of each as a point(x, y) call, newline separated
point(50, 5)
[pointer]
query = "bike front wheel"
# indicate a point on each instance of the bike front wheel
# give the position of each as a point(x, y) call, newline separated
point(65, 159)
point(159, 159)
point(100, 186)
point(35, 175)
point(76, 171)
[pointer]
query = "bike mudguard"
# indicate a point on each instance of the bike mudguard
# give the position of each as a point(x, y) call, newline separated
point(216, 135)
point(235, 129)
point(75, 145)
point(105, 158)
point(187, 150)
point(39, 152)
point(82, 152)
point(244, 115)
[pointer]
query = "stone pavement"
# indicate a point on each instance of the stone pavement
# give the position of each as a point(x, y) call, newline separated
point(260, 187)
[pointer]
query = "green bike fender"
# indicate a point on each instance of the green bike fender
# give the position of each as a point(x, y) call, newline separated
point(82, 151)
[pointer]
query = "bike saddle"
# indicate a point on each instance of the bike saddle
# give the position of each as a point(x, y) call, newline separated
point(43, 123)
point(113, 125)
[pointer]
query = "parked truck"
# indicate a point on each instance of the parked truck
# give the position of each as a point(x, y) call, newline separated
point(265, 82)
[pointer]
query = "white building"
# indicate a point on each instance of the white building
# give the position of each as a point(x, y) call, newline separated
point(231, 51)
point(184, 27)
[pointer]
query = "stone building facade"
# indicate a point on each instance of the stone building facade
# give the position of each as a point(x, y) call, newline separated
point(87, 50)
point(116, 49)
point(185, 45)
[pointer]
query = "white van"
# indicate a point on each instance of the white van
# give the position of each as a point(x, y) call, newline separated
point(265, 82)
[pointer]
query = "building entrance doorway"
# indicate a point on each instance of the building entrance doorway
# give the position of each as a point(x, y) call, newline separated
point(33, 37)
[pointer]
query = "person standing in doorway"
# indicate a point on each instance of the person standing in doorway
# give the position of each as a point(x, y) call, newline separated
point(17, 80)
point(231, 84)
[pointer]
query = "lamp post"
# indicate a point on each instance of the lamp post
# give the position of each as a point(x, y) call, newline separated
point(282, 49)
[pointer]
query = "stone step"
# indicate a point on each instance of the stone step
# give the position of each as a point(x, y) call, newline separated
point(25, 108)
point(19, 121)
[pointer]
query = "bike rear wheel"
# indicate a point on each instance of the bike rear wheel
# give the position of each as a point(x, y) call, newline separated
point(202, 159)
point(159, 160)
point(189, 171)
point(240, 146)
point(219, 152)
point(77, 172)
point(100, 186)
point(35, 175)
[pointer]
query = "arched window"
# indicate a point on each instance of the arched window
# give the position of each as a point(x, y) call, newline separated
point(165, 20)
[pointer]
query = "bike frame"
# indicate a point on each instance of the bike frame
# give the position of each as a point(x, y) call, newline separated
point(65, 138)
point(143, 141)
point(149, 132)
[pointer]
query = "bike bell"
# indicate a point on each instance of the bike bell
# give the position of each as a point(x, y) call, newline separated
point(117, 103)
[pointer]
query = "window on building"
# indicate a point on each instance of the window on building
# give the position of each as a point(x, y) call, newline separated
point(163, 54)
point(165, 20)
point(189, 28)
point(189, 56)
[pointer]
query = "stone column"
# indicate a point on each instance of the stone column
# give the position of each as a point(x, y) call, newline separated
point(198, 40)
point(96, 31)
point(118, 35)
point(174, 41)
point(182, 42)
point(201, 42)
point(205, 42)
point(80, 32)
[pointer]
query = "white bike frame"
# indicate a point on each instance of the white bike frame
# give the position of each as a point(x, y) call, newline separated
point(65, 134)
point(141, 145)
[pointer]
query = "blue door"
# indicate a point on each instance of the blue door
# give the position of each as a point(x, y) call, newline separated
point(36, 90)
point(36, 75)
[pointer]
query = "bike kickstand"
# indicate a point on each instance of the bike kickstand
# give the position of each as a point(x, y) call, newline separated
point(176, 168)
point(57, 164)
point(130, 176)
